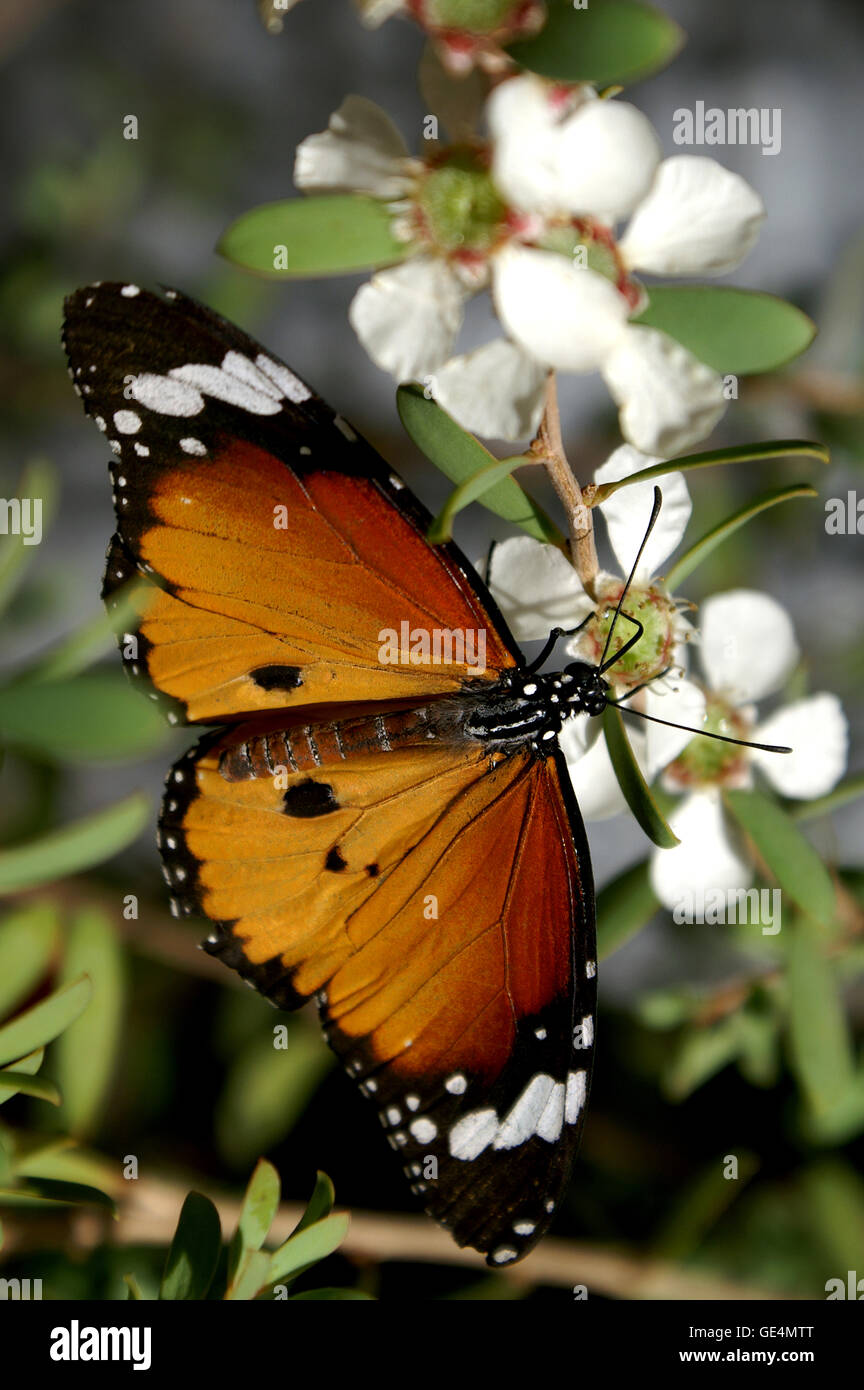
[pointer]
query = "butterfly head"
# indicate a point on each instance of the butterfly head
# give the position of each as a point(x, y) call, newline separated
point(584, 688)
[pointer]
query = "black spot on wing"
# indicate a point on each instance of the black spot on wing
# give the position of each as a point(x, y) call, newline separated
point(309, 799)
point(334, 861)
point(277, 677)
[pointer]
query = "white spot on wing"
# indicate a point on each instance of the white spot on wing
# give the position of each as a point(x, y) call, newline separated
point(290, 385)
point(424, 1131)
point(130, 291)
point(575, 1096)
point(190, 445)
point(456, 1084)
point(166, 395)
point(127, 422)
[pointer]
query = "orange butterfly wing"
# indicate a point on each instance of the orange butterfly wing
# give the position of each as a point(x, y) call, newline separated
point(272, 546)
point(427, 902)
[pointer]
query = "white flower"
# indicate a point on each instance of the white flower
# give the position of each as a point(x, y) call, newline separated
point(748, 650)
point(534, 219)
point(538, 589)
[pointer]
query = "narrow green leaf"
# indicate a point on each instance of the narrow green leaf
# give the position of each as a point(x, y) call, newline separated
point(737, 332)
point(697, 1210)
point(80, 718)
point(22, 1082)
point(470, 491)
point(307, 1247)
point(833, 1200)
point(43, 1022)
point(636, 791)
point(74, 847)
point(608, 41)
point(94, 639)
point(819, 1038)
point(28, 941)
point(624, 906)
point(330, 235)
point(331, 1296)
point(744, 453)
point(135, 1293)
point(44, 1191)
point(194, 1252)
point(852, 789)
point(266, 1089)
point(260, 1205)
point(39, 480)
point(459, 456)
point(701, 1054)
point(320, 1203)
point(701, 549)
point(86, 1051)
point(788, 854)
point(251, 1279)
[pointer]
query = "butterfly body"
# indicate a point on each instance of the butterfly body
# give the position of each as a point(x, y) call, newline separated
point(399, 843)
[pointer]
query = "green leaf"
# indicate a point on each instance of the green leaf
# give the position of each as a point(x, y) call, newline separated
point(459, 456)
point(701, 1054)
point(44, 1191)
point(21, 1080)
point(260, 1205)
point(330, 235)
point(469, 491)
point(737, 332)
point(267, 1088)
point(331, 1296)
point(687, 563)
point(697, 1210)
point(744, 453)
point(852, 789)
point(624, 906)
point(194, 1252)
point(819, 1039)
point(320, 1203)
point(787, 853)
point(28, 940)
point(81, 718)
point(95, 638)
point(39, 479)
point(135, 1293)
point(636, 791)
point(251, 1278)
point(307, 1247)
point(833, 1200)
point(75, 847)
point(607, 42)
point(87, 1050)
point(44, 1021)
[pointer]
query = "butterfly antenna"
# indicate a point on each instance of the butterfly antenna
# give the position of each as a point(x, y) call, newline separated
point(704, 733)
point(655, 512)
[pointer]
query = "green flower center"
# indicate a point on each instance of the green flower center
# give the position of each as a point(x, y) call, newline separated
point(706, 762)
point(654, 650)
point(475, 16)
point(460, 208)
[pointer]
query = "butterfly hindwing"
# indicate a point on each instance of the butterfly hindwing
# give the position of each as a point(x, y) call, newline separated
point(261, 524)
point(429, 904)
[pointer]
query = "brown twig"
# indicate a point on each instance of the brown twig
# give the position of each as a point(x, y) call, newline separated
point(150, 1207)
point(548, 449)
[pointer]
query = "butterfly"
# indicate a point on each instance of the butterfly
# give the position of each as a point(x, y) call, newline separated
point(392, 836)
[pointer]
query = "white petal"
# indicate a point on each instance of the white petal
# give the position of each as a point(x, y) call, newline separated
point(607, 152)
point(525, 126)
point(627, 512)
point(565, 315)
point(748, 644)
point(817, 731)
point(698, 218)
point(682, 703)
point(497, 391)
point(590, 767)
point(361, 152)
point(706, 858)
point(535, 588)
point(407, 317)
point(374, 12)
point(669, 400)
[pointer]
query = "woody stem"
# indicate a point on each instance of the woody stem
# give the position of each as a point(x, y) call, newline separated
point(548, 449)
